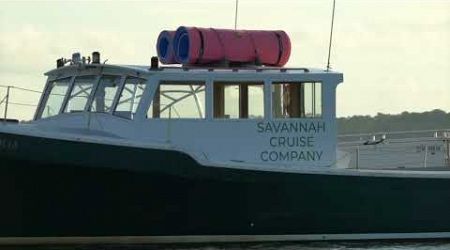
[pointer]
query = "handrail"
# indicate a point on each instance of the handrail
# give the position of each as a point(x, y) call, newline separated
point(20, 88)
point(7, 102)
point(390, 141)
point(395, 132)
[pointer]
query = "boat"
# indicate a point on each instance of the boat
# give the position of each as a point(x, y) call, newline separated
point(209, 153)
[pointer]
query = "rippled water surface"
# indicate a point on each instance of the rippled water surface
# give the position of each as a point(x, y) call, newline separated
point(381, 245)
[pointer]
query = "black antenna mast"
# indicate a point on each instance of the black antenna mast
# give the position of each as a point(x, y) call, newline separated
point(236, 14)
point(331, 35)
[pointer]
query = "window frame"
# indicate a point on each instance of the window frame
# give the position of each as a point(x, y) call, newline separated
point(142, 100)
point(37, 114)
point(239, 83)
point(154, 89)
point(321, 116)
point(45, 97)
point(90, 97)
point(116, 95)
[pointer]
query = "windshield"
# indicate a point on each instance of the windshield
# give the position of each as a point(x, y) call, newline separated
point(112, 94)
point(130, 97)
point(105, 94)
point(79, 96)
point(57, 92)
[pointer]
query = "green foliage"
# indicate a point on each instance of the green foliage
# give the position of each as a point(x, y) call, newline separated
point(435, 119)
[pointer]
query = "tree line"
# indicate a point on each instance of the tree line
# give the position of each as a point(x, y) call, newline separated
point(406, 121)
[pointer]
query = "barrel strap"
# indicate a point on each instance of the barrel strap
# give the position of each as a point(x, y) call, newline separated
point(257, 61)
point(280, 47)
point(201, 51)
point(221, 43)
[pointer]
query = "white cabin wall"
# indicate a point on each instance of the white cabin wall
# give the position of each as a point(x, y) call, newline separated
point(235, 140)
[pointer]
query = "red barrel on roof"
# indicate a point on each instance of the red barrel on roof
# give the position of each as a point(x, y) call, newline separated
point(200, 46)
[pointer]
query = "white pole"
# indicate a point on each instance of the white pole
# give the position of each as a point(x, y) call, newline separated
point(331, 35)
point(236, 14)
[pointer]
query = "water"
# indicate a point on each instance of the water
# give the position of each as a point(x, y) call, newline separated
point(354, 245)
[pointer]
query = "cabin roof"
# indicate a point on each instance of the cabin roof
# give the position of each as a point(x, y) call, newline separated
point(145, 70)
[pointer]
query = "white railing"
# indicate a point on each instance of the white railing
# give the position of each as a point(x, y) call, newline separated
point(403, 149)
point(6, 101)
point(6, 94)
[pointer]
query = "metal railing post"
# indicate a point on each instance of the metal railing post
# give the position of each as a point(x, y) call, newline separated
point(5, 115)
point(446, 136)
point(357, 157)
point(425, 157)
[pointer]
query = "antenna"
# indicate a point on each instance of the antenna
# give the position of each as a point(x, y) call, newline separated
point(236, 14)
point(331, 35)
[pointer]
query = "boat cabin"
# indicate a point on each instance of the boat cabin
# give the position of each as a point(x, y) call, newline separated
point(241, 115)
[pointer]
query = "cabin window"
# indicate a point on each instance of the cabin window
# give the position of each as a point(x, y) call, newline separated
point(105, 93)
point(234, 100)
point(297, 100)
point(79, 96)
point(57, 92)
point(130, 97)
point(177, 99)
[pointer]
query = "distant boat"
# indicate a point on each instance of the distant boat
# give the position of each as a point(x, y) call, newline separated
point(139, 154)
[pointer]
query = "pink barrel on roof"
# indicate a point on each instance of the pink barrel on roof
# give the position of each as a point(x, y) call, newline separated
point(194, 45)
point(164, 47)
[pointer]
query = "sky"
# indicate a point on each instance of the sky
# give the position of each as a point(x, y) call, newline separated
point(395, 54)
